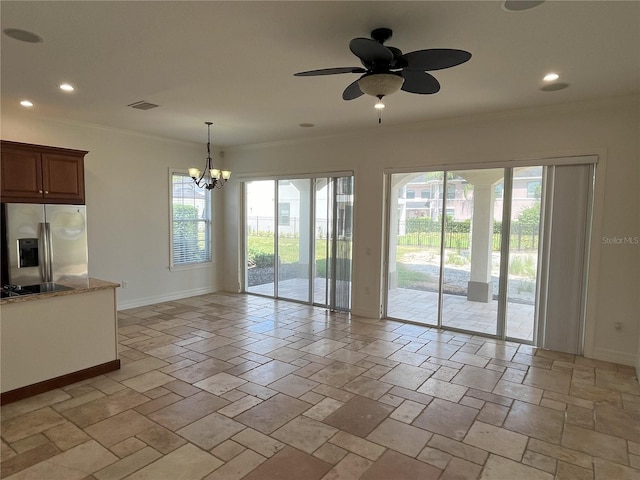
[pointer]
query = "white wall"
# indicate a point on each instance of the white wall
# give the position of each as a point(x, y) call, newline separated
point(608, 128)
point(127, 196)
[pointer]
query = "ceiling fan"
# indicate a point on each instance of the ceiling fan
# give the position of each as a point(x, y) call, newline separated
point(387, 70)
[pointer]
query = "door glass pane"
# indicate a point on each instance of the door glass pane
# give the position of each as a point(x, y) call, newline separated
point(260, 230)
point(323, 217)
point(472, 250)
point(526, 197)
point(343, 230)
point(414, 246)
point(294, 238)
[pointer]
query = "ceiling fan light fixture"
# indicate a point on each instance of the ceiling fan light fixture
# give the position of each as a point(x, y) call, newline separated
point(377, 84)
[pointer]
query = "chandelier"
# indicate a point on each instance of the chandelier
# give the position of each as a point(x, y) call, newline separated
point(210, 177)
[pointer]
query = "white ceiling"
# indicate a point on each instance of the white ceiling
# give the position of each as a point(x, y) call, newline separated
point(233, 62)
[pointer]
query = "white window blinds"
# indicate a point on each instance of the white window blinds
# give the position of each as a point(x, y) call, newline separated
point(191, 221)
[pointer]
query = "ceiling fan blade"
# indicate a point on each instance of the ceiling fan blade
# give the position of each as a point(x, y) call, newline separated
point(419, 82)
point(370, 51)
point(330, 71)
point(352, 91)
point(435, 58)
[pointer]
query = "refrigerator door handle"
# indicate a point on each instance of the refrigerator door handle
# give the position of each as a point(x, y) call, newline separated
point(42, 251)
point(49, 253)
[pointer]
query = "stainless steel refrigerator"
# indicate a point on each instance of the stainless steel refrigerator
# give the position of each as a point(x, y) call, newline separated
point(45, 243)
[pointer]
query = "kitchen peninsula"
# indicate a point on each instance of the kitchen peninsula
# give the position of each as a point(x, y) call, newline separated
point(57, 338)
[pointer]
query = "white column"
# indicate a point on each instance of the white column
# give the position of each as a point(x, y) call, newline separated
point(304, 219)
point(479, 286)
point(397, 213)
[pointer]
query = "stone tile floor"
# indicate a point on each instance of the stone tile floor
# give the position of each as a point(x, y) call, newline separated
point(227, 387)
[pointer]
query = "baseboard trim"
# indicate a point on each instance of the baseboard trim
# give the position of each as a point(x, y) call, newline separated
point(57, 382)
point(144, 301)
point(615, 357)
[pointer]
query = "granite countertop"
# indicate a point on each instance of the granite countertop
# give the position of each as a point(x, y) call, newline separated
point(90, 285)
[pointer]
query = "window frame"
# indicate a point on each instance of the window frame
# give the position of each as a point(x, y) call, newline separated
point(208, 226)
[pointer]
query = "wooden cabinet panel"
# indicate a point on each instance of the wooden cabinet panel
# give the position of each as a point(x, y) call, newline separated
point(42, 174)
point(21, 174)
point(63, 177)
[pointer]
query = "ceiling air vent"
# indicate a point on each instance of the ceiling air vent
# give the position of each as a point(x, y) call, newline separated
point(142, 105)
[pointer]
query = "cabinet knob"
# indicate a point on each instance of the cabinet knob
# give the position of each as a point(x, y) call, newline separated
point(46, 191)
point(39, 191)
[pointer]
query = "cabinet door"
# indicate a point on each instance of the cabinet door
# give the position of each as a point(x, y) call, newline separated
point(21, 176)
point(63, 178)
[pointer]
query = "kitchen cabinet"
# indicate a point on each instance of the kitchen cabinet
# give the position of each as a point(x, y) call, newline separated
point(41, 174)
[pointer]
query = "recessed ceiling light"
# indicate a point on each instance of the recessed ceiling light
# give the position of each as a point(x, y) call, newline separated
point(22, 35)
point(520, 5)
point(26, 103)
point(66, 87)
point(551, 77)
point(306, 125)
point(554, 87)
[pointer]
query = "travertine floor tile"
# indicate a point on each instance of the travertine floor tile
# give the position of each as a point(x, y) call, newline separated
point(352, 466)
point(293, 385)
point(88, 457)
point(618, 422)
point(330, 453)
point(357, 445)
point(533, 421)
point(259, 442)
point(407, 411)
point(367, 387)
point(595, 443)
point(407, 376)
point(269, 372)
point(478, 378)
point(605, 470)
point(186, 463)
point(105, 407)
point(128, 465)
point(147, 381)
point(119, 427)
point(24, 426)
point(161, 439)
point(237, 468)
point(20, 462)
point(498, 468)
point(445, 390)
point(304, 433)
point(446, 418)
point(497, 440)
point(290, 464)
point(400, 437)
point(186, 411)
point(273, 413)
point(400, 467)
point(459, 469)
point(358, 416)
point(220, 383)
point(210, 431)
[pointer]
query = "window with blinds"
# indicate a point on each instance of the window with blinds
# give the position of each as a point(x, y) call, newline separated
point(191, 221)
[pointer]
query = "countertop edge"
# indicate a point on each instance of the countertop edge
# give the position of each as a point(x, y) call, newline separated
point(93, 284)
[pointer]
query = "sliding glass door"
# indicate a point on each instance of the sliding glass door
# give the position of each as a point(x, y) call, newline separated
point(471, 253)
point(468, 251)
point(298, 239)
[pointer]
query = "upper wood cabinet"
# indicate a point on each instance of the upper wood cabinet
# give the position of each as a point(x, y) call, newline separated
point(41, 174)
